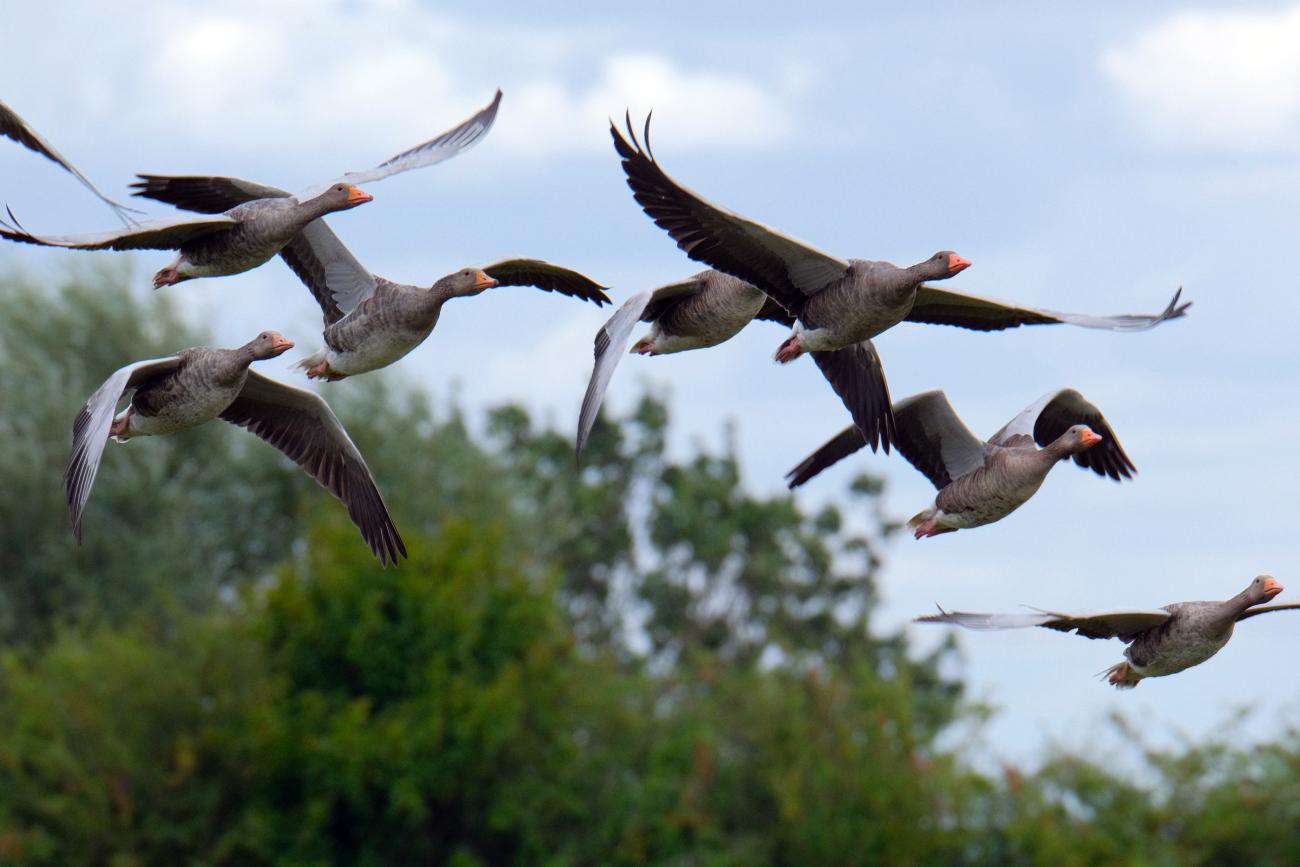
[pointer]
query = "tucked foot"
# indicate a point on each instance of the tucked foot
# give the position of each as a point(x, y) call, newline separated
point(120, 424)
point(1122, 676)
point(166, 277)
point(644, 346)
point(789, 350)
point(928, 527)
point(321, 370)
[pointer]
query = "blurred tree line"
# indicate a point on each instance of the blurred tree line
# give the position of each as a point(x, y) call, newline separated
point(639, 662)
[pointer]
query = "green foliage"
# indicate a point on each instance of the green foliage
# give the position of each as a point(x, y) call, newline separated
point(188, 514)
point(638, 661)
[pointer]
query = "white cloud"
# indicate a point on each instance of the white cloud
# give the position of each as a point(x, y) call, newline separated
point(251, 78)
point(1214, 80)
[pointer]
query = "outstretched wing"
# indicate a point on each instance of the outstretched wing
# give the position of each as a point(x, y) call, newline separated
point(1056, 412)
point(937, 306)
point(934, 439)
point(160, 235)
point(335, 278)
point(205, 194)
point(435, 150)
point(787, 269)
point(1265, 609)
point(14, 127)
point(1124, 625)
point(611, 341)
point(301, 425)
point(836, 449)
point(858, 377)
point(548, 277)
point(90, 430)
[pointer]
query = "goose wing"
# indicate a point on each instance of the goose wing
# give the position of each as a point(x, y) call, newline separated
point(547, 277)
point(1124, 625)
point(937, 306)
point(785, 268)
point(90, 430)
point(1056, 412)
point(158, 235)
point(13, 126)
point(301, 425)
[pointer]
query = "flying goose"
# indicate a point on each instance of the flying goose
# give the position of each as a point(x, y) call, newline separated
point(1160, 642)
point(240, 236)
point(197, 385)
point(837, 304)
point(982, 482)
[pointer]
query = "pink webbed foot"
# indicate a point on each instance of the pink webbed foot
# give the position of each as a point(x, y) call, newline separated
point(119, 425)
point(644, 346)
point(929, 527)
point(167, 277)
point(322, 371)
point(789, 350)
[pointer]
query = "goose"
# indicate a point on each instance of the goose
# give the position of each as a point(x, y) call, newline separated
point(13, 126)
point(199, 384)
point(703, 310)
point(235, 238)
point(371, 322)
point(982, 482)
point(836, 305)
point(1160, 642)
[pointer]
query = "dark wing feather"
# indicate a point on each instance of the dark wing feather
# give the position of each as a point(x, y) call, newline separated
point(1124, 625)
point(839, 447)
point(90, 430)
point(786, 269)
point(772, 311)
point(937, 306)
point(1068, 408)
point(933, 438)
point(858, 377)
point(160, 235)
point(672, 293)
point(301, 425)
point(548, 277)
point(1265, 609)
point(202, 193)
point(14, 127)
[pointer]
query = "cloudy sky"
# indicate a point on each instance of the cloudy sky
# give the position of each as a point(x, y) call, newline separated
point(1090, 159)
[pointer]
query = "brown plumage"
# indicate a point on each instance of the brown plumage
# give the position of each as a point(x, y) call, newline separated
point(981, 482)
point(199, 384)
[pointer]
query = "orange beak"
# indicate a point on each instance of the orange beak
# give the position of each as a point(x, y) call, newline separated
point(957, 264)
point(358, 196)
point(281, 344)
point(483, 281)
point(1272, 587)
point(1091, 438)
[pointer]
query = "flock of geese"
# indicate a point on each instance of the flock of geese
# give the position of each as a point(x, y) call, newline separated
point(833, 307)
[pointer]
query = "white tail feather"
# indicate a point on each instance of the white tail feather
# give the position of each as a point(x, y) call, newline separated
point(311, 361)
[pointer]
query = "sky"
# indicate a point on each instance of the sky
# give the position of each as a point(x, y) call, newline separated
point(1090, 158)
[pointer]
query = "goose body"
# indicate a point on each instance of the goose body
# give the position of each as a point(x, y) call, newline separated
point(1160, 641)
point(979, 481)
